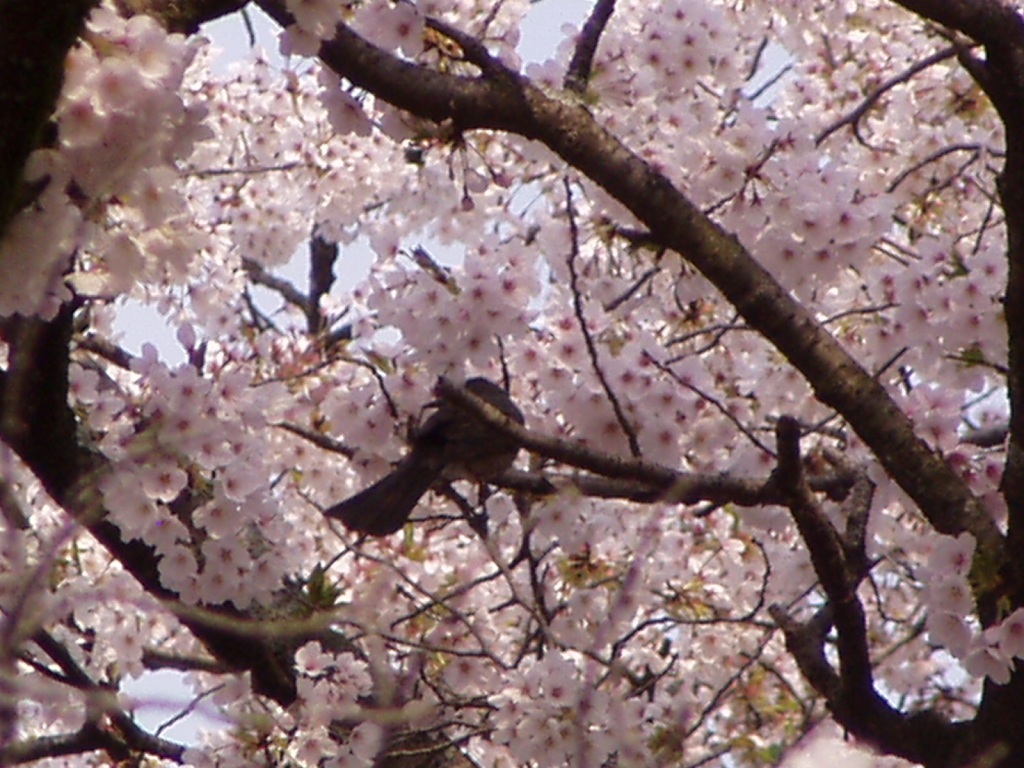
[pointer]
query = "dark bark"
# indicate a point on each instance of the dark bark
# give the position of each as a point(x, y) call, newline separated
point(34, 40)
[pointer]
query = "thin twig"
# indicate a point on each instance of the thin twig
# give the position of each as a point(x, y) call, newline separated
point(937, 155)
point(869, 101)
point(577, 302)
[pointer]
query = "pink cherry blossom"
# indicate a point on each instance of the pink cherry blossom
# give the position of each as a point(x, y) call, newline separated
point(733, 214)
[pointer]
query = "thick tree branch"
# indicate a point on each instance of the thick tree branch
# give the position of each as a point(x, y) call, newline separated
point(87, 739)
point(925, 737)
point(822, 540)
point(856, 694)
point(34, 40)
point(806, 644)
point(279, 285)
point(922, 737)
point(38, 424)
point(107, 727)
point(503, 100)
point(122, 741)
point(687, 488)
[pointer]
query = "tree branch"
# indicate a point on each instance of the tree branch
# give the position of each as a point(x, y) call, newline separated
point(872, 98)
point(987, 21)
point(38, 424)
point(629, 478)
point(120, 737)
point(322, 256)
point(999, 26)
point(578, 74)
point(924, 737)
point(34, 40)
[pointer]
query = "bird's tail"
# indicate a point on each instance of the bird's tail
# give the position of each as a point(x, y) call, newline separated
point(384, 507)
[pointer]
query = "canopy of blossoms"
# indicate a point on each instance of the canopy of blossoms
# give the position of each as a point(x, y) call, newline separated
point(747, 268)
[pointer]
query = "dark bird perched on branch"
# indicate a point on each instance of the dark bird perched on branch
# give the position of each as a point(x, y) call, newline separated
point(452, 444)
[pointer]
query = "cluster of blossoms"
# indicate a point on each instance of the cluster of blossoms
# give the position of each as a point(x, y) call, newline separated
point(190, 474)
point(582, 630)
point(950, 603)
point(109, 187)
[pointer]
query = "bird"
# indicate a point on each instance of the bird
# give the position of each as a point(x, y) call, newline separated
point(452, 444)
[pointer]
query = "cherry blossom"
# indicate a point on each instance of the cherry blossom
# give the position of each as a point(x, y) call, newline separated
point(746, 268)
